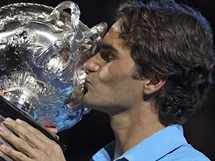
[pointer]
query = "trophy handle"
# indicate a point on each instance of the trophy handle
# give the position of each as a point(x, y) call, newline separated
point(74, 14)
point(98, 30)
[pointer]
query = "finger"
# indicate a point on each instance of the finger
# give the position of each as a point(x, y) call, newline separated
point(50, 125)
point(39, 135)
point(1, 93)
point(31, 135)
point(46, 123)
point(18, 143)
point(15, 155)
point(53, 130)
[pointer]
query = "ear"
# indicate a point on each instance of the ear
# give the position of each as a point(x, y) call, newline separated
point(152, 86)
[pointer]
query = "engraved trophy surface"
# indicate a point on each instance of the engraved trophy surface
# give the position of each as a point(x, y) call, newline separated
point(42, 50)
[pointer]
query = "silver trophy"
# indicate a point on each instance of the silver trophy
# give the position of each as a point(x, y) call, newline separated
point(42, 50)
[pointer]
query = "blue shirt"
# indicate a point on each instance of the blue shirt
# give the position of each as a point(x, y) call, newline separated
point(167, 144)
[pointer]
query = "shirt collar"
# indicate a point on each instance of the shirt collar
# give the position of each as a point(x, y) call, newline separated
point(152, 148)
point(157, 145)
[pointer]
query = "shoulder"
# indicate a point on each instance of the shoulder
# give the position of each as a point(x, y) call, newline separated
point(185, 153)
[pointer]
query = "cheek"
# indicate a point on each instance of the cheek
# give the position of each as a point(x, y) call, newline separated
point(115, 71)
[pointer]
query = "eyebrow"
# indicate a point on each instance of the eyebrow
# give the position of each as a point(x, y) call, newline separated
point(108, 46)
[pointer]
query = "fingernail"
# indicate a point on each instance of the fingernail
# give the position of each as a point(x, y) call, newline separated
point(2, 146)
point(8, 120)
point(19, 121)
point(2, 130)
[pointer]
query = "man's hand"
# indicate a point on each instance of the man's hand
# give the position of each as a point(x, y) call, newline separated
point(29, 143)
point(47, 124)
point(1, 93)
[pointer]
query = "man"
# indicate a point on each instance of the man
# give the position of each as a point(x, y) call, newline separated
point(151, 73)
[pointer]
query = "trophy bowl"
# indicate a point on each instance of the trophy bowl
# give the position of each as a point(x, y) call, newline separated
point(42, 50)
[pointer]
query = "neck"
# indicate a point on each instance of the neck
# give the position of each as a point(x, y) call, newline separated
point(132, 126)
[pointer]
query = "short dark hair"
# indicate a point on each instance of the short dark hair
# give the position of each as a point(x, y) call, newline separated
point(172, 41)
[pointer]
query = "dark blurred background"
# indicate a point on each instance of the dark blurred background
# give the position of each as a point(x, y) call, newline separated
point(93, 132)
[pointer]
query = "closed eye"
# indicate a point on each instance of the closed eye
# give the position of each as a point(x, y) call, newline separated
point(108, 52)
point(107, 55)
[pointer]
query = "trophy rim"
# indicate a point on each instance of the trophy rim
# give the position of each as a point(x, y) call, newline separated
point(39, 7)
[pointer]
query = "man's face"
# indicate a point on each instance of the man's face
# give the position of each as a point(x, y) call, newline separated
point(110, 84)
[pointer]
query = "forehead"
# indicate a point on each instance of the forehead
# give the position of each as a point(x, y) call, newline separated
point(114, 33)
point(113, 38)
point(116, 27)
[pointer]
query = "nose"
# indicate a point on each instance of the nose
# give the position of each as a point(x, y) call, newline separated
point(91, 65)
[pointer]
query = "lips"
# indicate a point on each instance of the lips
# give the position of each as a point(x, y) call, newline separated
point(85, 86)
point(84, 89)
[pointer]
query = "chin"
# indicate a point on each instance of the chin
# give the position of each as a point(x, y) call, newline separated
point(92, 102)
point(87, 99)
point(95, 102)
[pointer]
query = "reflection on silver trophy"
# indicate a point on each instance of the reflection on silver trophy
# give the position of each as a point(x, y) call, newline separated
point(42, 50)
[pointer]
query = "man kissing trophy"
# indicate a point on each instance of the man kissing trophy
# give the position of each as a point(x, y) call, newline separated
point(42, 50)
